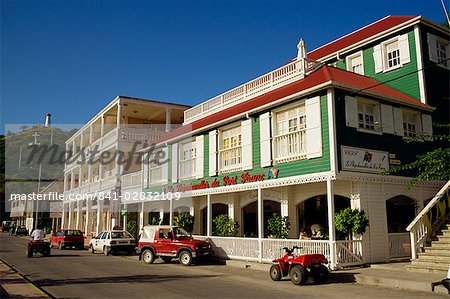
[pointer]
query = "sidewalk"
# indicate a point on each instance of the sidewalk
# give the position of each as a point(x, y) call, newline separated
point(12, 285)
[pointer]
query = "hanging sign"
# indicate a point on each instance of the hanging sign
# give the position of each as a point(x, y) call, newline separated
point(364, 160)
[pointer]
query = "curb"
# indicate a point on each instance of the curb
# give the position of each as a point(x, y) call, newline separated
point(5, 294)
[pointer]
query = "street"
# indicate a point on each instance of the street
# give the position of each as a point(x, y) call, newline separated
point(79, 274)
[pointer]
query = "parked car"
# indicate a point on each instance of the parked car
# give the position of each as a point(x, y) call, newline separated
point(168, 242)
point(112, 242)
point(6, 225)
point(67, 238)
point(20, 231)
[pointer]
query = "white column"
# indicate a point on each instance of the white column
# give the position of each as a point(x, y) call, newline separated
point(208, 215)
point(87, 225)
point(260, 223)
point(124, 219)
point(284, 208)
point(331, 226)
point(102, 126)
point(171, 212)
point(168, 119)
point(63, 216)
point(98, 229)
point(69, 224)
point(119, 113)
point(141, 217)
point(79, 211)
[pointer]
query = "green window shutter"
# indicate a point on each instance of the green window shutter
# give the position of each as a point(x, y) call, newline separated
point(313, 128)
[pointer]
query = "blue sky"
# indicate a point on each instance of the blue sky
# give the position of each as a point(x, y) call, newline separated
point(70, 58)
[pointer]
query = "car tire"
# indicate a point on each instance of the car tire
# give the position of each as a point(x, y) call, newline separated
point(298, 275)
point(185, 258)
point(91, 249)
point(46, 252)
point(60, 246)
point(320, 275)
point(275, 273)
point(106, 250)
point(166, 259)
point(148, 256)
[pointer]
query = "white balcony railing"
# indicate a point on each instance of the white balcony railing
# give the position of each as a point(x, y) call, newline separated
point(290, 145)
point(131, 180)
point(284, 75)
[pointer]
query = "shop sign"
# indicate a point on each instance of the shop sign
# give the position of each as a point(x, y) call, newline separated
point(364, 160)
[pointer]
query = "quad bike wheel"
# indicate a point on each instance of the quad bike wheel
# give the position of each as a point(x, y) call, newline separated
point(320, 275)
point(298, 275)
point(275, 273)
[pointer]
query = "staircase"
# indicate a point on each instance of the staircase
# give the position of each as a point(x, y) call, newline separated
point(435, 258)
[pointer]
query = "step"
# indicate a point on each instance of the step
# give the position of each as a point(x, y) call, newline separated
point(437, 251)
point(441, 244)
point(429, 266)
point(445, 259)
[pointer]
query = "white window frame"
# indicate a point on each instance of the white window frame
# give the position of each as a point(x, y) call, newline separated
point(410, 121)
point(154, 170)
point(295, 136)
point(385, 54)
point(186, 160)
point(231, 151)
point(439, 52)
point(362, 126)
point(351, 58)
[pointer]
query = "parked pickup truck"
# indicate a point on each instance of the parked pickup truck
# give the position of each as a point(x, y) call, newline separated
point(168, 242)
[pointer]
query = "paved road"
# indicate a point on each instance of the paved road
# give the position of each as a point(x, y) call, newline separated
point(79, 274)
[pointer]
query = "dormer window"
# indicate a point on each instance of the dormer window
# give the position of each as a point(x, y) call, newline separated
point(355, 63)
point(391, 54)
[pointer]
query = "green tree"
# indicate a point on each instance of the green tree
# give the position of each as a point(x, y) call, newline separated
point(225, 226)
point(278, 226)
point(184, 220)
point(132, 228)
point(351, 221)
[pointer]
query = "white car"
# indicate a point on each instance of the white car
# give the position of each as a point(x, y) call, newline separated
point(113, 241)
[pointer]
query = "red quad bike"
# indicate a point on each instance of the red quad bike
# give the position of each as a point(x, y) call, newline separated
point(300, 267)
point(40, 246)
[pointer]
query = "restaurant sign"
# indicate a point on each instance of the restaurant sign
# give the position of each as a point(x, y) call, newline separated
point(364, 160)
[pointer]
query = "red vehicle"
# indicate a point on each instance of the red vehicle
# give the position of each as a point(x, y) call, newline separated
point(38, 246)
point(169, 242)
point(300, 267)
point(67, 238)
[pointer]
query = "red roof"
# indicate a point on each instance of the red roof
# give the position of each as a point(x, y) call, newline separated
point(358, 35)
point(325, 74)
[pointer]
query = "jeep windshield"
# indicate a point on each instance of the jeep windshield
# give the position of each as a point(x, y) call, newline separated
point(181, 233)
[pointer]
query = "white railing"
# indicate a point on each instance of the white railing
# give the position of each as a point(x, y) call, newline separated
point(423, 226)
point(290, 145)
point(284, 75)
point(131, 180)
point(273, 248)
point(348, 253)
point(132, 134)
point(155, 175)
point(187, 168)
point(230, 158)
point(399, 245)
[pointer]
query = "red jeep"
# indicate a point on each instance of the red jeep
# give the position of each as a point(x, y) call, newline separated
point(168, 242)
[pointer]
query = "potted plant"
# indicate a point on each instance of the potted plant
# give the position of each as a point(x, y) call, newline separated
point(225, 226)
point(184, 220)
point(351, 221)
point(278, 226)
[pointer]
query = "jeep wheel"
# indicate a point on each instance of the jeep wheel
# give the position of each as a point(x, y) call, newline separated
point(275, 272)
point(91, 249)
point(148, 256)
point(185, 258)
point(166, 259)
point(298, 275)
point(320, 275)
point(105, 250)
